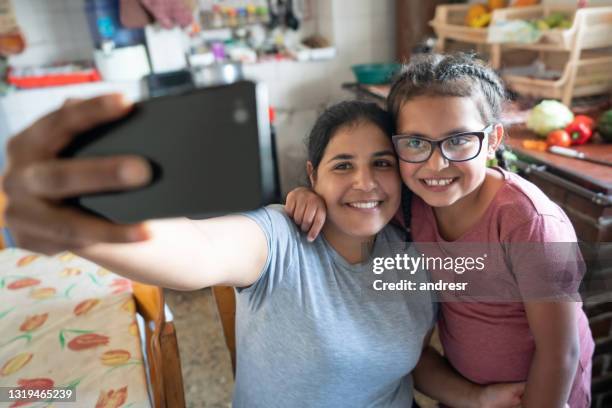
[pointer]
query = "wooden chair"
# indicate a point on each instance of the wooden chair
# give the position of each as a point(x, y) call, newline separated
point(161, 347)
point(2, 208)
point(225, 299)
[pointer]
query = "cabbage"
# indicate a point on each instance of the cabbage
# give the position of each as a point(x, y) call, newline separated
point(549, 115)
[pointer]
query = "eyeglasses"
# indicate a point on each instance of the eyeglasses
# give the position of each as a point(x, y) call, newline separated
point(455, 148)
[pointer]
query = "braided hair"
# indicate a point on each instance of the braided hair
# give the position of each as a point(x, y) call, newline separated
point(458, 74)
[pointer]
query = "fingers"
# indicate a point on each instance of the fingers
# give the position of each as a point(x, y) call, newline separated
point(290, 204)
point(298, 214)
point(307, 210)
point(317, 225)
point(47, 228)
point(53, 132)
point(57, 179)
point(308, 218)
point(72, 101)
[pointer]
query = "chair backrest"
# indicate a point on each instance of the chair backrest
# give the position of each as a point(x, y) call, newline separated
point(161, 347)
point(2, 208)
point(226, 307)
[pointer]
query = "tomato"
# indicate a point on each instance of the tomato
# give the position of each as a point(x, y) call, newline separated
point(559, 138)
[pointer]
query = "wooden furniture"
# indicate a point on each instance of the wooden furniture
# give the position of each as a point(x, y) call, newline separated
point(581, 53)
point(164, 363)
point(582, 189)
point(411, 25)
point(449, 24)
point(225, 298)
point(2, 224)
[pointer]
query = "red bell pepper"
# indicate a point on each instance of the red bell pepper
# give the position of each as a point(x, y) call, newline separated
point(587, 120)
point(579, 132)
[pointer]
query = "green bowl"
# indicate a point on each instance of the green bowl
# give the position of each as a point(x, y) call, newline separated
point(374, 74)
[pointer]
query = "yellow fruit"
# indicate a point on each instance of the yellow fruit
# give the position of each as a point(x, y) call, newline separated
point(481, 21)
point(542, 25)
point(474, 14)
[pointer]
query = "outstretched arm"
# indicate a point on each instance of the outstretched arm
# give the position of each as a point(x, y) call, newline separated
point(184, 254)
point(177, 253)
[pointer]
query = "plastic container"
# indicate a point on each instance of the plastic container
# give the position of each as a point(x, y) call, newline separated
point(374, 74)
point(53, 76)
point(105, 25)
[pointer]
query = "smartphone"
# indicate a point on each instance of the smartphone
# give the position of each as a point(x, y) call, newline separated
point(210, 150)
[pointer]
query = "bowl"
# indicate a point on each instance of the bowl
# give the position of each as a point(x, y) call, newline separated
point(375, 74)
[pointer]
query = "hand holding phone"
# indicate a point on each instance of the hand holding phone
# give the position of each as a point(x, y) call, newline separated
point(36, 182)
point(210, 151)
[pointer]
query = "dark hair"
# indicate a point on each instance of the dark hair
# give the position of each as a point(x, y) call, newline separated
point(342, 114)
point(458, 74)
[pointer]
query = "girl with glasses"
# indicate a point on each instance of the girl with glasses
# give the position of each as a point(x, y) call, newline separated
point(447, 113)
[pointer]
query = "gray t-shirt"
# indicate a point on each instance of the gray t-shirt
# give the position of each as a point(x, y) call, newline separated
point(311, 332)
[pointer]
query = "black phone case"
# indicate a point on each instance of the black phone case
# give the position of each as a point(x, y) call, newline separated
point(210, 150)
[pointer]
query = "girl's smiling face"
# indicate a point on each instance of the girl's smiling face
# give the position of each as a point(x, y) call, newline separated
point(358, 180)
point(437, 181)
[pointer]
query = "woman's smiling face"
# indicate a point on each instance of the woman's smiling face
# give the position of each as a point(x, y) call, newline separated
point(358, 180)
point(437, 181)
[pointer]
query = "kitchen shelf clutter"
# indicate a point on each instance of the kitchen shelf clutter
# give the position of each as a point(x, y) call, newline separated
point(562, 63)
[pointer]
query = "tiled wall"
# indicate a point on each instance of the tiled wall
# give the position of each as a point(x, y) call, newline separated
point(362, 31)
point(55, 30)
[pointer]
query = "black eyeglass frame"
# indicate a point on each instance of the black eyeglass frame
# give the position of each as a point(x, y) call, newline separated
point(437, 143)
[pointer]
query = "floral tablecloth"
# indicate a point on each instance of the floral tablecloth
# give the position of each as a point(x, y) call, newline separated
point(66, 322)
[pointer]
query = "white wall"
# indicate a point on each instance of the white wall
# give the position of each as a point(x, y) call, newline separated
point(361, 30)
point(55, 31)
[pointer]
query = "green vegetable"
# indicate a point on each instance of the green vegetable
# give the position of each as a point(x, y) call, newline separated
point(555, 19)
point(604, 126)
point(547, 116)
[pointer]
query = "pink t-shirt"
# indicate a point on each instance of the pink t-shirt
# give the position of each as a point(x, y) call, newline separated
point(491, 342)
